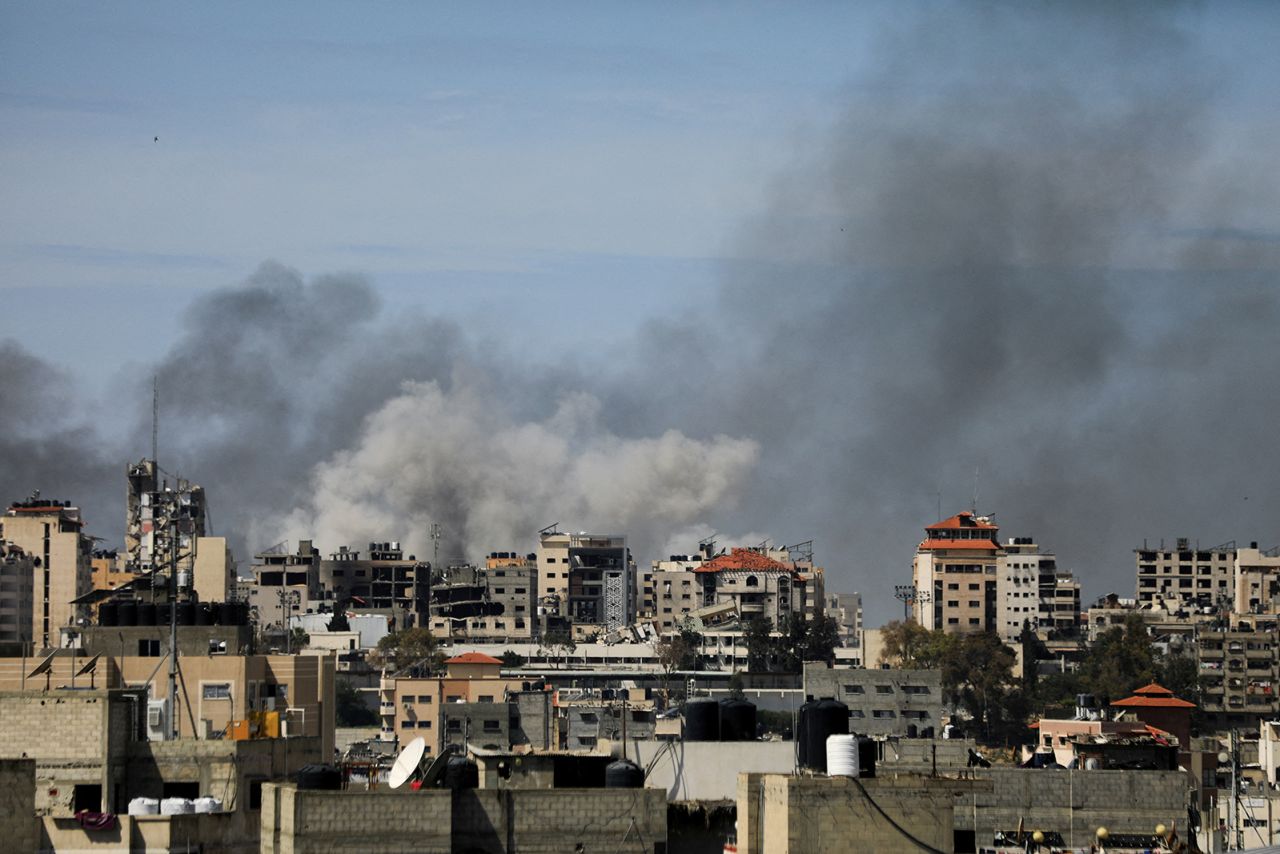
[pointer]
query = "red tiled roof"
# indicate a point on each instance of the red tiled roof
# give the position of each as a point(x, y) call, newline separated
point(743, 559)
point(978, 545)
point(1154, 696)
point(963, 520)
point(473, 658)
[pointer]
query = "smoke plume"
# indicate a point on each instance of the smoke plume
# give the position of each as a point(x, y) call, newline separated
point(1029, 265)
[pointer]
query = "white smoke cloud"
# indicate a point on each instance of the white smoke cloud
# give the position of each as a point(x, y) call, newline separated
point(460, 458)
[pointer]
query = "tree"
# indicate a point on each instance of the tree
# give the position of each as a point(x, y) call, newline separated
point(414, 651)
point(977, 673)
point(349, 708)
point(736, 683)
point(907, 644)
point(758, 639)
point(511, 658)
point(559, 642)
point(1119, 661)
point(679, 651)
point(298, 638)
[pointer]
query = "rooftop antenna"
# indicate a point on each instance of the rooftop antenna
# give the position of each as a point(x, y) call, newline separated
point(975, 490)
point(436, 533)
point(155, 417)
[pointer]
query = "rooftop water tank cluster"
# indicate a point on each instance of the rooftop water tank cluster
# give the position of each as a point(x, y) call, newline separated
point(719, 720)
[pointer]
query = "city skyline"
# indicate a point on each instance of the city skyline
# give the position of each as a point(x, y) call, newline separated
point(812, 274)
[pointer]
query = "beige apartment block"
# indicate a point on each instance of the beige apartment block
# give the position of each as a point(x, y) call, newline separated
point(412, 707)
point(955, 577)
point(51, 533)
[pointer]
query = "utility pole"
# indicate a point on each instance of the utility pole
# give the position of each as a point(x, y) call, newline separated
point(173, 625)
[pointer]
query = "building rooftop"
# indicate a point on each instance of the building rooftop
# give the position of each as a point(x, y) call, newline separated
point(743, 559)
point(1153, 696)
point(980, 545)
point(964, 520)
point(473, 658)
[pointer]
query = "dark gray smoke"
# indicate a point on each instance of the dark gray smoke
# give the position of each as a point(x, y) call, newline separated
point(1016, 268)
point(1026, 262)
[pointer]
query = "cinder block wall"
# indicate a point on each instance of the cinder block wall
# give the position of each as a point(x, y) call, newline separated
point(528, 821)
point(1074, 803)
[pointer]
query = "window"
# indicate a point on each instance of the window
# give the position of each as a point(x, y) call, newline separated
point(486, 698)
point(406, 725)
point(590, 717)
point(883, 713)
point(148, 648)
point(853, 689)
point(424, 724)
point(425, 698)
point(453, 725)
point(492, 726)
point(752, 581)
point(884, 689)
point(857, 713)
point(218, 691)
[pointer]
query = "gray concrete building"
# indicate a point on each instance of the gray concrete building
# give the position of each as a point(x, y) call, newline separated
point(881, 702)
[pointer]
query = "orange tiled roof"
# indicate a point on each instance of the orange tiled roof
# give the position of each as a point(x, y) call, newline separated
point(473, 658)
point(1154, 696)
point(743, 559)
point(980, 545)
point(963, 520)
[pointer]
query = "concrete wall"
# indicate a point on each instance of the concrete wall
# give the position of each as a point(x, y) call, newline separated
point(18, 804)
point(781, 814)
point(1073, 803)
point(708, 770)
point(530, 821)
point(210, 833)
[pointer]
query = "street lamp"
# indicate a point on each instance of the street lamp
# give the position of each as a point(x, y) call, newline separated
point(1102, 835)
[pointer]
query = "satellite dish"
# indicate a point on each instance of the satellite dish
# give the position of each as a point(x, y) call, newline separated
point(407, 763)
point(44, 666)
point(89, 666)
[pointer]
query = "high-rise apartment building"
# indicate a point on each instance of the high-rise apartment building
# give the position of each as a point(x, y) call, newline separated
point(954, 575)
point(1186, 575)
point(61, 554)
point(846, 610)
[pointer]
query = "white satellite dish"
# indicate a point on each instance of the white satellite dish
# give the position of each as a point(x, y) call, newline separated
point(407, 763)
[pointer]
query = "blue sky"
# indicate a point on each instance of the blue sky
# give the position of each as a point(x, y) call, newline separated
point(486, 161)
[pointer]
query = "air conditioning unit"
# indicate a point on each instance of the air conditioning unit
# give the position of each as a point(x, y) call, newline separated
point(158, 720)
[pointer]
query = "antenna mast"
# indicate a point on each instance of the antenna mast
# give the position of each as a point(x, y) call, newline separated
point(436, 533)
point(155, 416)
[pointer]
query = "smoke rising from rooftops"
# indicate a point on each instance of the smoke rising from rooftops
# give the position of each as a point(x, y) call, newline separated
point(1031, 247)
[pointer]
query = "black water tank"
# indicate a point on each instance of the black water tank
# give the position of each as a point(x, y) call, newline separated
point(148, 614)
point(186, 613)
point(241, 614)
point(737, 720)
point(108, 614)
point(203, 616)
point(702, 720)
point(127, 613)
point(927, 732)
point(868, 750)
point(802, 724)
point(913, 731)
point(826, 718)
point(319, 777)
point(215, 613)
point(623, 774)
point(459, 773)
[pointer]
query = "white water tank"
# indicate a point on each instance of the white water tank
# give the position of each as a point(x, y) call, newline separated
point(207, 804)
point(176, 806)
point(144, 806)
point(842, 756)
